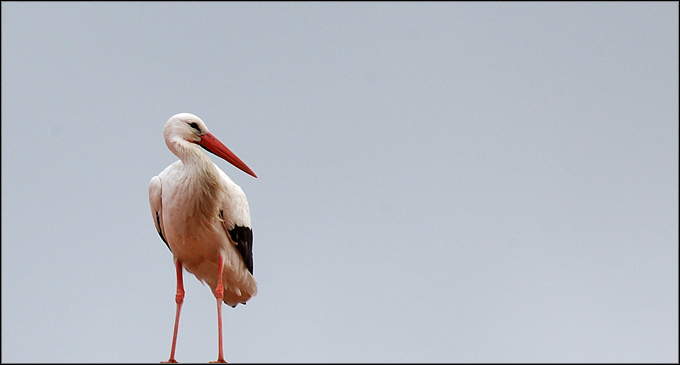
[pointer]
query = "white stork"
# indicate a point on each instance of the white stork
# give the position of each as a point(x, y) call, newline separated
point(203, 217)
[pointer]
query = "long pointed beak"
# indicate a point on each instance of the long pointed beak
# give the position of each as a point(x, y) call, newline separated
point(213, 145)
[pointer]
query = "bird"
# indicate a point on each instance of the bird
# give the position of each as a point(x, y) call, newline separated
point(203, 217)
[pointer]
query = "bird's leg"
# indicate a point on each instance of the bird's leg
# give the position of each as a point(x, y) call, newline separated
point(219, 293)
point(179, 299)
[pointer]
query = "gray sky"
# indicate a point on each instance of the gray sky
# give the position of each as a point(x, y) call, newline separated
point(438, 182)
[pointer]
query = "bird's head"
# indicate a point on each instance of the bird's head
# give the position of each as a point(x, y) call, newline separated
point(184, 126)
point(185, 129)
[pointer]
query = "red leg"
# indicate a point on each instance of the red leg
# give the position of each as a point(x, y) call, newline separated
point(179, 299)
point(219, 290)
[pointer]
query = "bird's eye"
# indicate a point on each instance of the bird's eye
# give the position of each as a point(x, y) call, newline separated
point(195, 126)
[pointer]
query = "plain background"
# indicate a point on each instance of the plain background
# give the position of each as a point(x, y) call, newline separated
point(438, 182)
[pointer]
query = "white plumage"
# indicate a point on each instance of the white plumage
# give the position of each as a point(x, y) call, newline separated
point(203, 216)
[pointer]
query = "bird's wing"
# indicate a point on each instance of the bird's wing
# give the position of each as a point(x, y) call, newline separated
point(235, 215)
point(156, 203)
point(242, 237)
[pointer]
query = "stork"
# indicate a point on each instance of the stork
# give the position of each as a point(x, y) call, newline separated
point(204, 218)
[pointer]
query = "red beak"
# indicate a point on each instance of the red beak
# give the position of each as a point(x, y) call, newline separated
point(213, 145)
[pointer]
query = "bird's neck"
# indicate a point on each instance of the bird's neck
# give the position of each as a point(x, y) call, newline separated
point(202, 183)
point(198, 168)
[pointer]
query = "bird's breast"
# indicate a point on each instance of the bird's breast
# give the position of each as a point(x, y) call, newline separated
point(191, 204)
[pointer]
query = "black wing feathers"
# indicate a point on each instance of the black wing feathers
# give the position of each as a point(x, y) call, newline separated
point(243, 236)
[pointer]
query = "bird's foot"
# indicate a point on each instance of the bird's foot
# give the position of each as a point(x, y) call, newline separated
point(218, 361)
point(171, 361)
